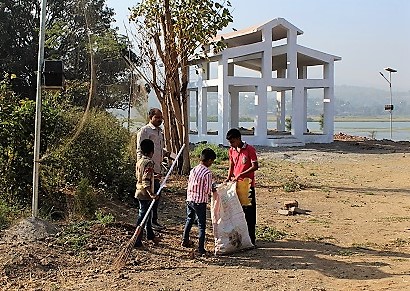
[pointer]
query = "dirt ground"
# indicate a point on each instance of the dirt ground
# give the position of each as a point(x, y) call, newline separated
point(356, 235)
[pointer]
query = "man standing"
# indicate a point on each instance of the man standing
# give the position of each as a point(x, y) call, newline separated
point(153, 131)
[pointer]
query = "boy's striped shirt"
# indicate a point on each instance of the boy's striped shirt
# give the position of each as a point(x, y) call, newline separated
point(199, 184)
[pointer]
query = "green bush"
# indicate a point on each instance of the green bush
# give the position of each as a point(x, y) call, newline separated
point(321, 121)
point(17, 140)
point(98, 153)
point(221, 152)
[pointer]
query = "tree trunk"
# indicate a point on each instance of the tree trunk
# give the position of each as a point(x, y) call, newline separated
point(185, 115)
point(174, 105)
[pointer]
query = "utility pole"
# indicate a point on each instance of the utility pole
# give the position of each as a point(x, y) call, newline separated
point(390, 106)
point(37, 127)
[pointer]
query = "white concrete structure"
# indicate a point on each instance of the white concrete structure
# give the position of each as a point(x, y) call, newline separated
point(279, 66)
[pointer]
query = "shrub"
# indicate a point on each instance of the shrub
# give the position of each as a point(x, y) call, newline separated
point(4, 213)
point(321, 121)
point(221, 152)
point(7, 214)
point(288, 123)
point(17, 140)
point(85, 202)
point(99, 154)
point(292, 184)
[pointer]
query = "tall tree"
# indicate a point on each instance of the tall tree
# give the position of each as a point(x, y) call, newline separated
point(81, 27)
point(66, 39)
point(169, 33)
point(19, 43)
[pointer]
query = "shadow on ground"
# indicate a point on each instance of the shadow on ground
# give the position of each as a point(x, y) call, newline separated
point(328, 259)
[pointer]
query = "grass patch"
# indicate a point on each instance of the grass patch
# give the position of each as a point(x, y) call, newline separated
point(315, 220)
point(4, 216)
point(219, 171)
point(85, 200)
point(325, 189)
point(75, 235)
point(104, 219)
point(268, 233)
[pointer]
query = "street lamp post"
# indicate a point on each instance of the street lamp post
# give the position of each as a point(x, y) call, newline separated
point(390, 106)
point(37, 124)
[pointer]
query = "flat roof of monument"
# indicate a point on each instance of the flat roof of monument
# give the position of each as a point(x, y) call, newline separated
point(253, 34)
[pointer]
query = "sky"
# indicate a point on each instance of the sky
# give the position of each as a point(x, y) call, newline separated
point(369, 35)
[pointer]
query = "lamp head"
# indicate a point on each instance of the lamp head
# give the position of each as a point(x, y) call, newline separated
point(390, 70)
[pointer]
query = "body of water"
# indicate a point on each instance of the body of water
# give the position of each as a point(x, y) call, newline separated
point(376, 129)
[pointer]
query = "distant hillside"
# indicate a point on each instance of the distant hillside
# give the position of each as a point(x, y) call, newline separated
point(363, 101)
point(349, 101)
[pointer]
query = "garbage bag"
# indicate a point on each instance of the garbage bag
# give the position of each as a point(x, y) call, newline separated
point(228, 221)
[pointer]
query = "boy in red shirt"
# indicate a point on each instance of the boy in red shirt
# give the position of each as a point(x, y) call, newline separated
point(243, 163)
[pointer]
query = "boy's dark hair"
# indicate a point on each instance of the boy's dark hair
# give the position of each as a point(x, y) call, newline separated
point(147, 146)
point(208, 154)
point(233, 133)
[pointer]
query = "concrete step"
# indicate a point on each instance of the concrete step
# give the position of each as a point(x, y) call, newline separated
point(284, 141)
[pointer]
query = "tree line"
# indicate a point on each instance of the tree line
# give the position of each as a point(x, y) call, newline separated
point(103, 69)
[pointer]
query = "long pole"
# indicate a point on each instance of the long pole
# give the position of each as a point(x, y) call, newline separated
point(391, 109)
point(162, 184)
point(123, 256)
point(37, 126)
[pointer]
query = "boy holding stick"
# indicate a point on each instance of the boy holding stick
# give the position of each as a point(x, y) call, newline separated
point(145, 189)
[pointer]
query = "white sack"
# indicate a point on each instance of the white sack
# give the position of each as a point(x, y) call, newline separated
point(228, 221)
